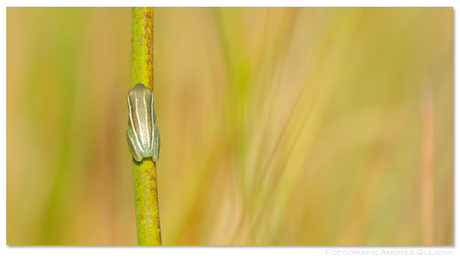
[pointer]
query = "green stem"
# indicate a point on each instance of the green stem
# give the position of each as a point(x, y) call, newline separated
point(145, 184)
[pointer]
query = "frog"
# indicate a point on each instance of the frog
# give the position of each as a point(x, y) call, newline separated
point(142, 135)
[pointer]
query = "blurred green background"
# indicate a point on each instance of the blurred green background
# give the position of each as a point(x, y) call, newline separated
point(279, 126)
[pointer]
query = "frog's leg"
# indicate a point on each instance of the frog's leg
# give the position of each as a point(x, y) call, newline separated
point(156, 143)
point(133, 145)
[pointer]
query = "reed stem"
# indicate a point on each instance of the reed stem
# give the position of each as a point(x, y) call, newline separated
point(145, 182)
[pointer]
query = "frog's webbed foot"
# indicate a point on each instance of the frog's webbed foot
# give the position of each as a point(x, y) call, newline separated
point(132, 146)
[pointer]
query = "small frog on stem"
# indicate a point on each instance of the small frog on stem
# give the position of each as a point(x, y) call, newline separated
point(143, 135)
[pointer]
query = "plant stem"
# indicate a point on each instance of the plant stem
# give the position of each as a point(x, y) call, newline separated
point(142, 47)
point(145, 183)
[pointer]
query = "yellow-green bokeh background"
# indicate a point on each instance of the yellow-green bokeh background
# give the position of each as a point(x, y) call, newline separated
point(279, 126)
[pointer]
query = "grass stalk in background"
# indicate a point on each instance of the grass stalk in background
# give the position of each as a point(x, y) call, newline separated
point(145, 183)
point(427, 170)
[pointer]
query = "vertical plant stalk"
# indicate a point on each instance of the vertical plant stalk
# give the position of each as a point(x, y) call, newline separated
point(145, 182)
point(427, 170)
